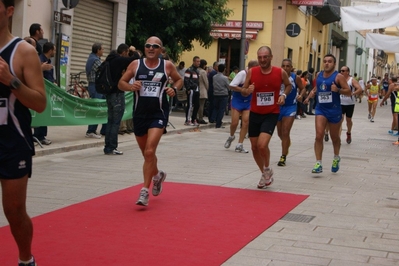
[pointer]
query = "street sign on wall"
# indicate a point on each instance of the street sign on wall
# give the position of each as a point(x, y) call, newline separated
point(62, 18)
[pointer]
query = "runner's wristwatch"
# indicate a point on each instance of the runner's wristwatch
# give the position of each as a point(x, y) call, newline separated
point(15, 83)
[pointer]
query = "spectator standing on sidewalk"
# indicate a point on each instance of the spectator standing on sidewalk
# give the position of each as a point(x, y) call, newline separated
point(204, 86)
point(211, 74)
point(36, 33)
point(151, 109)
point(191, 83)
point(92, 64)
point(264, 82)
point(240, 106)
point(48, 52)
point(21, 89)
point(118, 63)
point(220, 95)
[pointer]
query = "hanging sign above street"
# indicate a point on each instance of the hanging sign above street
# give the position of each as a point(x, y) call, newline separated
point(62, 18)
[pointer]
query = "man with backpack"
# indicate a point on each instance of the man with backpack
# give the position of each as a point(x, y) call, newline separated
point(118, 61)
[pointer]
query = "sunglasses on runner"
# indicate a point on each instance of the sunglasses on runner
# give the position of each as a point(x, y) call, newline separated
point(153, 45)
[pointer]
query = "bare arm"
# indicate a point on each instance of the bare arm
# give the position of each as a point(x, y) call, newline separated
point(247, 88)
point(345, 89)
point(358, 89)
point(177, 80)
point(391, 87)
point(288, 87)
point(301, 87)
point(312, 93)
point(27, 68)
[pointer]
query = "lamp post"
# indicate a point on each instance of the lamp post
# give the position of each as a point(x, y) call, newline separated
point(243, 34)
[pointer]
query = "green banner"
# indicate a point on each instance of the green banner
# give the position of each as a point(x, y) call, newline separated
point(64, 109)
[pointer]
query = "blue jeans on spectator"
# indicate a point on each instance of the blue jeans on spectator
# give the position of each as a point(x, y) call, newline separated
point(219, 104)
point(95, 95)
point(116, 108)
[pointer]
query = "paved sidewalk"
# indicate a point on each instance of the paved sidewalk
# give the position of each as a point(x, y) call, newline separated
point(71, 138)
point(350, 217)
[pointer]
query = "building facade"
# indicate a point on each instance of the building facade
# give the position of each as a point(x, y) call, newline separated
point(90, 21)
point(292, 30)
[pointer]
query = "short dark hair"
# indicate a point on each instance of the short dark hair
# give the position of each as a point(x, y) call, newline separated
point(96, 46)
point(8, 3)
point(203, 63)
point(134, 54)
point(47, 47)
point(33, 28)
point(331, 55)
point(195, 58)
point(221, 67)
point(123, 47)
point(287, 60)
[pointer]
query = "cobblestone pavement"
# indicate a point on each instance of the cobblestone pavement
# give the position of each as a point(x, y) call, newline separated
point(353, 214)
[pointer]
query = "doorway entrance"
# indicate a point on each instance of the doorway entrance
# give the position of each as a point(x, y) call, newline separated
point(229, 53)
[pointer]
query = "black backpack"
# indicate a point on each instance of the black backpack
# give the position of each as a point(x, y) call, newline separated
point(104, 83)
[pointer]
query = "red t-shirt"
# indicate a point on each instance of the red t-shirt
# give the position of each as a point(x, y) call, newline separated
point(267, 90)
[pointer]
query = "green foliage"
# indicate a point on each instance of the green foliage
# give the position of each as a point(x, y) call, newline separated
point(176, 22)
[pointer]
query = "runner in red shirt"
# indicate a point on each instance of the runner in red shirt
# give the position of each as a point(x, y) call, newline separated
point(269, 86)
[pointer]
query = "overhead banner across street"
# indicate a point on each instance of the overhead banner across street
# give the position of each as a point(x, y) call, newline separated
point(369, 17)
point(64, 109)
point(382, 42)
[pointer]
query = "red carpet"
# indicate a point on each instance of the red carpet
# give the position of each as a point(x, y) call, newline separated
point(185, 225)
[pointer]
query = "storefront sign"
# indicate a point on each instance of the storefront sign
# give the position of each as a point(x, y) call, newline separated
point(307, 2)
point(232, 35)
point(237, 24)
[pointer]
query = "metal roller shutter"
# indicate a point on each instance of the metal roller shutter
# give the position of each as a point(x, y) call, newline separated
point(92, 22)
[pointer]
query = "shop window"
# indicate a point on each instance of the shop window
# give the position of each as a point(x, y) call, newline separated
point(289, 53)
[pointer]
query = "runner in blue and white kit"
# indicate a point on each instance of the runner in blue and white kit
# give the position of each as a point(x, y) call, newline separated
point(329, 85)
point(288, 110)
point(240, 106)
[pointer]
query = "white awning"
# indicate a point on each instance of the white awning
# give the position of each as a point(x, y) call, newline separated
point(370, 17)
